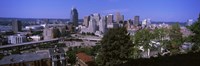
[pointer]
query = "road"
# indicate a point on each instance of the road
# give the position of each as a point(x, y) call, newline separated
point(28, 43)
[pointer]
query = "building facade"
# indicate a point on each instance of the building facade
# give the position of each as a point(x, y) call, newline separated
point(92, 26)
point(102, 25)
point(136, 20)
point(16, 39)
point(16, 26)
point(58, 57)
point(86, 21)
point(74, 17)
point(146, 23)
point(119, 17)
point(110, 19)
point(47, 32)
point(97, 17)
point(27, 59)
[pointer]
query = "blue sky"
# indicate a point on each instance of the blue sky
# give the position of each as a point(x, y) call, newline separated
point(157, 10)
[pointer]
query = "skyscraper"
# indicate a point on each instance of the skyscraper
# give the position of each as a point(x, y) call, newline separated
point(122, 17)
point(74, 16)
point(129, 24)
point(102, 25)
point(47, 32)
point(136, 20)
point(92, 25)
point(96, 17)
point(86, 20)
point(16, 26)
point(119, 17)
point(146, 22)
point(110, 19)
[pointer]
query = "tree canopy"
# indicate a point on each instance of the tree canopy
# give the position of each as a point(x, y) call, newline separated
point(115, 47)
point(176, 39)
point(195, 28)
point(56, 33)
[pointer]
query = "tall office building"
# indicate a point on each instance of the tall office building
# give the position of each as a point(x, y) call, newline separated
point(92, 25)
point(74, 16)
point(122, 18)
point(129, 24)
point(47, 32)
point(96, 16)
point(16, 26)
point(136, 20)
point(110, 19)
point(146, 23)
point(119, 17)
point(86, 21)
point(102, 25)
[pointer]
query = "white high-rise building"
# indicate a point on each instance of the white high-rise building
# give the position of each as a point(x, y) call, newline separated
point(92, 25)
point(146, 22)
point(96, 16)
point(102, 25)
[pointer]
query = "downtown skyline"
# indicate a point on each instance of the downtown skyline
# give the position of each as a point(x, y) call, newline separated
point(157, 10)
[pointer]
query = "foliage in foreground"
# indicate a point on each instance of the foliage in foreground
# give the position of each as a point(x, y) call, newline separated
point(115, 47)
point(195, 28)
point(189, 59)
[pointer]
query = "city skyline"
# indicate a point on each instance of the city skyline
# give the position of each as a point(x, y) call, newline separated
point(157, 10)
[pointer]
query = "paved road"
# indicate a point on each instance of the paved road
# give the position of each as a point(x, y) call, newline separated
point(28, 43)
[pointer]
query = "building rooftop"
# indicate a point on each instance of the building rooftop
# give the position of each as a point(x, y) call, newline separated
point(84, 57)
point(17, 58)
point(56, 51)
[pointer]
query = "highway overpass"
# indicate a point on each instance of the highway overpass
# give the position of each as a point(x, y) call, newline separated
point(28, 43)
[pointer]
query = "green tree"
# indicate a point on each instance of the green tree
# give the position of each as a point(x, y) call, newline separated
point(160, 34)
point(37, 33)
point(1, 56)
point(72, 56)
point(64, 32)
point(175, 38)
point(142, 38)
point(195, 28)
point(115, 47)
point(56, 33)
